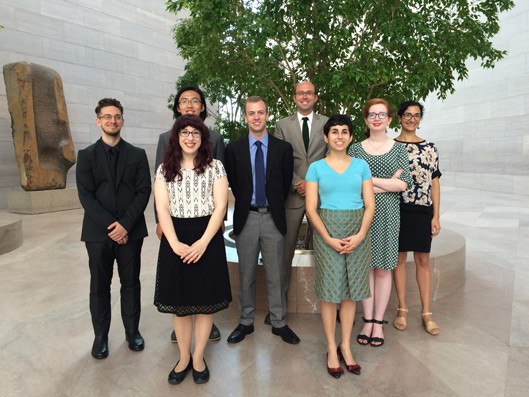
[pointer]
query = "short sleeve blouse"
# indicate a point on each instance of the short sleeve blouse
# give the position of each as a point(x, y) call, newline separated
point(192, 197)
point(424, 167)
point(339, 191)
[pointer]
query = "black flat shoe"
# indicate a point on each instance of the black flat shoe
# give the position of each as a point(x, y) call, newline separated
point(100, 347)
point(364, 339)
point(175, 378)
point(215, 333)
point(286, 334)
point(240, 332)
point(201, 376)
point(136, 342)
point(354, 368)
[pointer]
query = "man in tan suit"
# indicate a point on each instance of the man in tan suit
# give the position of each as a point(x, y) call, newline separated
point(304, 131)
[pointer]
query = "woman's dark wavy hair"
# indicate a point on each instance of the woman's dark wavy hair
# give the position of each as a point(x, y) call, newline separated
point(173, 155)
point(375, 101)
point(338, 119)
point(406, 104)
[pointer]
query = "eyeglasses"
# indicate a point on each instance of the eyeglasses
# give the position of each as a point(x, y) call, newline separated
point(185, 102)
point(187, 133)
point(408, 116)
point(381, 115)
point(307, 93)
point(108, 117)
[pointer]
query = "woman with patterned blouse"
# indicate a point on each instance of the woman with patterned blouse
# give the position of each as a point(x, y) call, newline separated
point(419, 215)
point(388, 162)
point(191, 194)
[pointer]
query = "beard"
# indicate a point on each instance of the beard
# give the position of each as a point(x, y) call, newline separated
point(112, 133)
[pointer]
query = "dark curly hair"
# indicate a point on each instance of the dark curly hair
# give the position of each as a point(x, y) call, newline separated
point(108, 102)
point(338, 119)
point(173, 155)
point(406, 104)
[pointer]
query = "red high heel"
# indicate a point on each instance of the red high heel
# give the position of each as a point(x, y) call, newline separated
point(354, 369)
point(334, 372)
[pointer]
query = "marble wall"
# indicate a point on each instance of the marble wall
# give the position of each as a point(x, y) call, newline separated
point(112, 48)
point(481, 130)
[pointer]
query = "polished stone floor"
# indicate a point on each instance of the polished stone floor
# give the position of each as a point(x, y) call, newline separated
point(483, 349)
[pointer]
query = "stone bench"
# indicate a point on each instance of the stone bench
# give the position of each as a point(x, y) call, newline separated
point(447, 262)
point(11, 236)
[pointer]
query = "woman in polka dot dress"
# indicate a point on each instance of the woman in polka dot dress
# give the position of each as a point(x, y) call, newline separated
point(388, 161)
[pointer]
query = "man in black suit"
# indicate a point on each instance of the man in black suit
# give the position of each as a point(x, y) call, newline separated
point(259, 168)
point(189, 100)
point(114, 185)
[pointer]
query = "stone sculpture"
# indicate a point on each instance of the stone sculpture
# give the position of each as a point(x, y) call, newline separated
point(39, 119)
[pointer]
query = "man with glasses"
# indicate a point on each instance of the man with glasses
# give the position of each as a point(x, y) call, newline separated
point(189, 100)
point(114, 186)
point(304, 131)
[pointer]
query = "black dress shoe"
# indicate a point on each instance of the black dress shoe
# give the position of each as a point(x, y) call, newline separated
point(100, 347)
point(267, 320)
point(176, 378)
point(239, 333)
point(201, 376)
point(215, 333)
point(136, 342)
point(286, 334)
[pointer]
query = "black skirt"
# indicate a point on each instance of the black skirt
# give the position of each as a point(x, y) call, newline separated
point(415, 228)
point(197, 288)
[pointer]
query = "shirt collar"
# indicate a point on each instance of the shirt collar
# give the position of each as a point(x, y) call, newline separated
point(310, 116)
point(264, 140)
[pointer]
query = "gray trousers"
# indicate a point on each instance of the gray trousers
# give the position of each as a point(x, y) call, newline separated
point(294, 219)
point(261, 235)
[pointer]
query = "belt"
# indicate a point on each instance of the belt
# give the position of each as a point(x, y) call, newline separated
point(261, 210)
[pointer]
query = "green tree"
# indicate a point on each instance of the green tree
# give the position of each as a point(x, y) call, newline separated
point(350, 50)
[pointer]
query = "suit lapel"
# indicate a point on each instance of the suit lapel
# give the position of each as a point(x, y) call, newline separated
point(316, 131)
point(298, 135)
point(122, 161)
point(270, 155)
point(246, 162)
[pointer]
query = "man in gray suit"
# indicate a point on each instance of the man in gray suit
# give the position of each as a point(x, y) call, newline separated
point(304, 131)
point(189, 100)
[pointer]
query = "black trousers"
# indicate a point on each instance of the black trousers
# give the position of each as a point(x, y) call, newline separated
point(101, 257)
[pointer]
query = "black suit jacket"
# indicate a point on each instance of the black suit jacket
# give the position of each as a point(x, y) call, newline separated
point(279, 168)
point(105, 203)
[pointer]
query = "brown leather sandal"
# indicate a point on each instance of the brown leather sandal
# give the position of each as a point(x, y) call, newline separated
point(401, 322)
point(429, 325)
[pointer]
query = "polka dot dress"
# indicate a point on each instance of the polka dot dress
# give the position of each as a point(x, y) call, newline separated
point(386, 223)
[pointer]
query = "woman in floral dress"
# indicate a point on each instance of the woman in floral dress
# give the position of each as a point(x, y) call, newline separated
point(419, 215)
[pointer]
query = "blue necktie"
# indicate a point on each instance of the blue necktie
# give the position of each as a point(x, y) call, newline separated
point(260, 195)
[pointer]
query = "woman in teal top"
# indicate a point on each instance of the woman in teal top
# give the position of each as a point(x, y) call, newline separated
point(342, 246)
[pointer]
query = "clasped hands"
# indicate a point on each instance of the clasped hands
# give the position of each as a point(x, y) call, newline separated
point(345, 245)
point(118, 233)
point(189, 253)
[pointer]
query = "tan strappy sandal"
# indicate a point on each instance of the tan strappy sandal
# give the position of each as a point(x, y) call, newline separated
point(429, 325)
point(401, 322)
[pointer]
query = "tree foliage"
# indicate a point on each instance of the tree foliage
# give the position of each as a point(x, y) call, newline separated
point(350, 50)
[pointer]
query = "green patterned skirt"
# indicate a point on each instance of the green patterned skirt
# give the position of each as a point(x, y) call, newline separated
point(342, 276)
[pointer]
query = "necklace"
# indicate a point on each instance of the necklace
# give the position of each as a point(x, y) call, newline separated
point(377, 147)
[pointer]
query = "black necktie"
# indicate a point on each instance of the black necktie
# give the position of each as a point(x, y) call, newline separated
point(113, 157)
point(260, 195)
point(305, 131)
